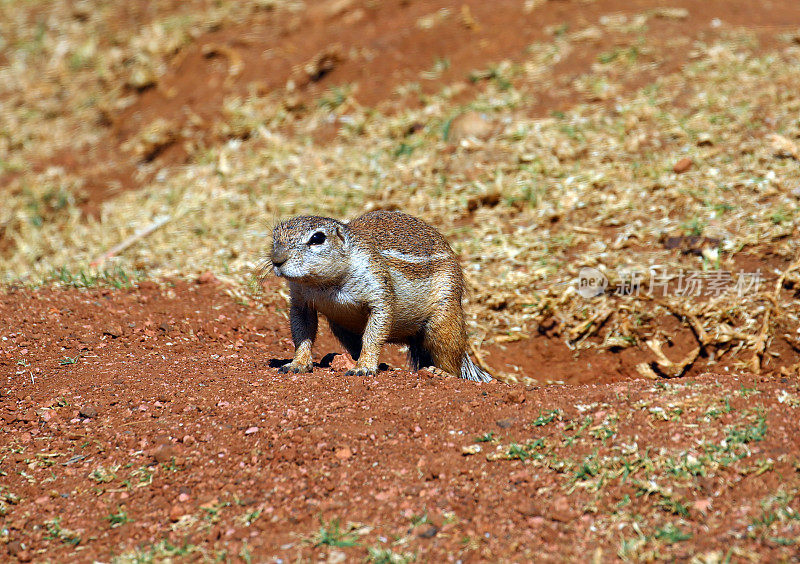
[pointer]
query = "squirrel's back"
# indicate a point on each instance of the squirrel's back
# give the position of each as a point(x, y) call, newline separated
point(399, 232)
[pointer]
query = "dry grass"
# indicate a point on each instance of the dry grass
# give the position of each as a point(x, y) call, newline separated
point(526, 208)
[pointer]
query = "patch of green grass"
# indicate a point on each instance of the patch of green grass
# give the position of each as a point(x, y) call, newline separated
point(381, 555)
point(117, 278)
point(249, 518)
point(331, 534)
point(417, 520)
point(103, 475)
point(141, 477)
point(752, 433)
point(118, 518)
point(671, 534)
point(162, 551)
point(485, 438)
point(524, 452)
point(546, 417)
point(56, 532)
point(335, 97)
point(673, 506)
point(500, 74)
point(586, 470)
point(781, 215)
point(212, 512)
point(693, 227)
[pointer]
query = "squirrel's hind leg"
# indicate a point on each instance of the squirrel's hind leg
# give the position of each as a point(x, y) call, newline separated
point(350, 341)
point(444, 338)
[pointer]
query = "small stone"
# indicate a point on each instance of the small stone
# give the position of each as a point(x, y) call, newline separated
point(469, 125)
point(113, 330)
point(343, 453)
point(529, 509)
point(505, 423)
point(14, 547)
point(560, 510)
point(342, 362)
point(206, 278)
point(519, 476)
point(428, 533)
point(165, 454)
point(213, 534)
point(183, 498)
point(516, 396)
point(176, 512)
point(470, 449)
point(188, 440)
point(251, 430)
point(88, 411)
point(682, 165)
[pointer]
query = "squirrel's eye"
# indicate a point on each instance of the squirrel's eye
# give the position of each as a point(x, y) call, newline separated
point(317, 238)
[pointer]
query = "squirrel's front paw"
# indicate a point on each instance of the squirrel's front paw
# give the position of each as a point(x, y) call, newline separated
point(295, 368)
point(361, 371)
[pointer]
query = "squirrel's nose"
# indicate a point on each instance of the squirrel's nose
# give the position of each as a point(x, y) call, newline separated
point(278, 258)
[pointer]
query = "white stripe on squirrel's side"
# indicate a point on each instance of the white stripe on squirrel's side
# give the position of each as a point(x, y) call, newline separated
point(416, 259)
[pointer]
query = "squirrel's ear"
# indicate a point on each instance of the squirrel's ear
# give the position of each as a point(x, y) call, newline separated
point(340, 234)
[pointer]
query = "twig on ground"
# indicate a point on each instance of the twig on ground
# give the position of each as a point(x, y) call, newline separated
point(761, 340)
point(141, 234)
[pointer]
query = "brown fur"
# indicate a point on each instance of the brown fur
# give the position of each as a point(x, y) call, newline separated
point(383, 277)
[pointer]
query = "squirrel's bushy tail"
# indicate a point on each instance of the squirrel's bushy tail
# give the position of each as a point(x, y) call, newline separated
point(470, 371)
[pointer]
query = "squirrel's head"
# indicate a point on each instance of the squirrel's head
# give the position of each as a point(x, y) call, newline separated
point(310, 250)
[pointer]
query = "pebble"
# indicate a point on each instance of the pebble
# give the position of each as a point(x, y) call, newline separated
point(206, 278)
point(516, 396)
point(505, 423)
point(469, 125)
point(682, 165)
point(88, 411)
point(14, 548)
point(342, 362)
point(530, 509)
point(114, 330)
point(251, 430)
point(176, 512)
point(428, 533)
point(165, 454)
point(343, 453)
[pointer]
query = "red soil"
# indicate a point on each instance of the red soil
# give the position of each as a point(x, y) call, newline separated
point(171, 415)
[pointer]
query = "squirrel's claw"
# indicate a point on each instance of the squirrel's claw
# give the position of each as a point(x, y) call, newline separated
point(360, 372)
point(294, 368)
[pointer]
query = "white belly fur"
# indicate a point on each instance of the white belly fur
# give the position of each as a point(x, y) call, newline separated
point(349, 308)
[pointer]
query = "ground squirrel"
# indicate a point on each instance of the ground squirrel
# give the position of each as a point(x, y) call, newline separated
point(383, 277)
